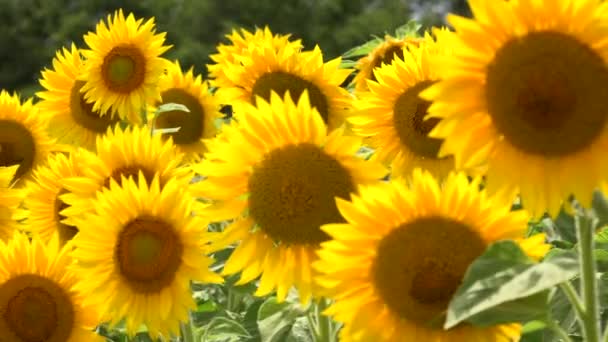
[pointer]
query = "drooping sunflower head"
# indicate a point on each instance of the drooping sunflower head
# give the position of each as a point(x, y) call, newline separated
point(395, 264)
point(10, 200)
point(277, 172)
point(196, 125)
point(394, 118)
point(139, 249)
point(264, 68)
point(123, 66)
point(131, 152)
point(239, 43)
point(72, 119)
point(38, 298)
point(390, 49)
point(23, 137)
point(525, 86)
point(45, 208)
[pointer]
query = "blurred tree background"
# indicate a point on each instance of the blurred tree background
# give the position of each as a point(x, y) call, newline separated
point(33, 30)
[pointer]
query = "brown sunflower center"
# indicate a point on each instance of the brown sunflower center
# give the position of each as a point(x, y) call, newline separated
point(131, 171)
point(420, 265)
point(546, 93)
point(124, 69)
point(66, 232)
point(409, 119)
point(35, 309)
point(148, 254)
point(82, 112)
point(17, 147)
point(292, 193)
point(281, 82)
point(191, 124)
point(392, 52)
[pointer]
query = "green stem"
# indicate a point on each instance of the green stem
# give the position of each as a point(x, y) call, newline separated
point(322, 327)
point(561, 333)
point(590, 320)
point(187, 330)
point(573, 298)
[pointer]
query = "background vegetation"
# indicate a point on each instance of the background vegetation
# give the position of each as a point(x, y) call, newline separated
point(33, 30)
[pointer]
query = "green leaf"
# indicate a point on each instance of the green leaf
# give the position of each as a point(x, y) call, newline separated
point(410, 29)
point(275, 320)
point(363, 49)
point(504, 279)
point(226, 329)
point(347, 64)
point(600, 207)
point(169, 107)
point(300, 331)
point(165, 130)
point(533, 326)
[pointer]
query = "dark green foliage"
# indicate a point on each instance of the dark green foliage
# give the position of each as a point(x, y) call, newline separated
point(33, 30)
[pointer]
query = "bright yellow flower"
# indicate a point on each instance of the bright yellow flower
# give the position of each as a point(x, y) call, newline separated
point(394, 266)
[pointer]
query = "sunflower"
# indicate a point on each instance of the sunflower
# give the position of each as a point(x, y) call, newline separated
point(45, 208)
point(525, 93)
point(120, 153)
point(196, 125)
point(10, 200)
point(123, 66)
point(38, 297)
point(72, 120)
point(384, 53)
point(264, 68)
point(23, 137)
point(139, 250)
point(276, 173)
point(393, 117)
point(239, 42)
point(394, 266)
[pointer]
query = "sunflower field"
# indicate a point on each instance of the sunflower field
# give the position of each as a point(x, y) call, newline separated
point(435, 184)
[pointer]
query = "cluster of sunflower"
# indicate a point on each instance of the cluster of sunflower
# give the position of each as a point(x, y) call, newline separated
point(110, 181)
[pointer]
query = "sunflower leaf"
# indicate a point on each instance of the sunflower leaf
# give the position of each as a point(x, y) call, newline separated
point(169, 107)
point(505, 285)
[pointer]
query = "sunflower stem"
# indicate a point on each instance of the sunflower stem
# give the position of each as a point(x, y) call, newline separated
point(322, 326)
point(573, 298)
point(585, 225)
point(187, 330)
point(561, 333)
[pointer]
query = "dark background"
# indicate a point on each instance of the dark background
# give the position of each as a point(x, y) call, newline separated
point(31, 31)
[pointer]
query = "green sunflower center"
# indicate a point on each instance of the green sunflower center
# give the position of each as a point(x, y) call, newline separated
point(17, 147)
point(82, 112)
point(34, 309)
point(392, 52)
point(66, 232)
point(546, 93)
point(420, 265)
point(148, 253)
point(281, 82)
point(130, 171)
point(124, 69)
point(292, 193)
point(191, 124)
point(409, 120)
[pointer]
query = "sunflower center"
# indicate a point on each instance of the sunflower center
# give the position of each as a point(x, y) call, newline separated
point(191, 124)
point(34, 309)
point(82, 112)
point(281, 82)
point(546, 93)
point(420, 265)
point(66, 232)
point(17, 146)
point(292, 193)
point(412, 129)
point(148, 254)
point(124, 69)
point(392, 52)
point(131, 171)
